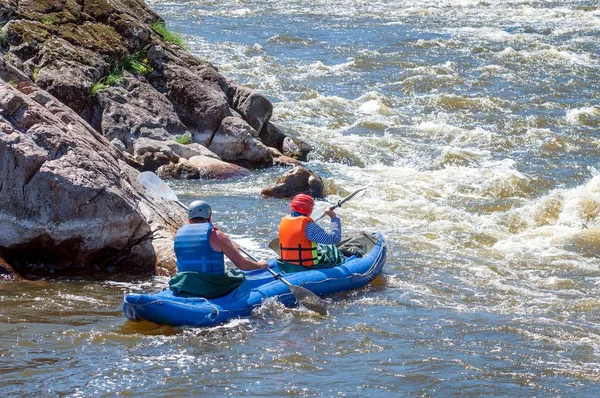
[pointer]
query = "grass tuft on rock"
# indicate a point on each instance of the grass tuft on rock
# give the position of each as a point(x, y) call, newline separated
point(115, 76)
point(185, 138)
point(136, 62)
point(169, 35)
point(48, 21)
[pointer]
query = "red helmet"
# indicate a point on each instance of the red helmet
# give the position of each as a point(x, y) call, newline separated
point(302, 204)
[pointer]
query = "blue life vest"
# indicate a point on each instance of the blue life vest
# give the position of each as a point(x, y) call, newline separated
point(193, 250)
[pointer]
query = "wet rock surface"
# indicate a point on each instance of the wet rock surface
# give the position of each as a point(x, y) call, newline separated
point(91, 94)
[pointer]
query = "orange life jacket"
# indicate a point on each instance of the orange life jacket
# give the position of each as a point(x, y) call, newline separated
point(295, 247)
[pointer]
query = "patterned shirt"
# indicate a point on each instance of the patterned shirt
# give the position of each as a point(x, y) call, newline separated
point(318, 235)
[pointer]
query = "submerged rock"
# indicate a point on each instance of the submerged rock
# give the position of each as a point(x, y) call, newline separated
point(585, 242)
point(298, 180)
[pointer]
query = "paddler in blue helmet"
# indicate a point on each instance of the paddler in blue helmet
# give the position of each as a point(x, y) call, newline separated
point(200, 248)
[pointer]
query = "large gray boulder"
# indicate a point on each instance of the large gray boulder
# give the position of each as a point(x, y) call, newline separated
point(190, 150)
point(70, 204)
point(201, 167)
point(290, 146)
point(253, 107)
point(152, 154)
point(236, 141)
point(133, 109)
point(194, 87)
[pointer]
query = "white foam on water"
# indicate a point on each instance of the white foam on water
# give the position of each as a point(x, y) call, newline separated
point(319, 69)
point(445, 149)
point(239, 12)
point(86, 299)
point(550, 55)
point(542, 231)
point(456, 136)
point(574, 116)
point(484, 33)
point(375, 107)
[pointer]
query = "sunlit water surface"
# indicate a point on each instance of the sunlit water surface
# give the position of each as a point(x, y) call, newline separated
point(475, 125)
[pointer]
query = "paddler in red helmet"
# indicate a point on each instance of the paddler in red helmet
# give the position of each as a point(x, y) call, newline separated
point(303, 242)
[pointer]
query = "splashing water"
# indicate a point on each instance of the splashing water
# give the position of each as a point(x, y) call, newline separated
point(475, 126)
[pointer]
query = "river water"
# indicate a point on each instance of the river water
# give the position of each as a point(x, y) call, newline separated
point(475, 125)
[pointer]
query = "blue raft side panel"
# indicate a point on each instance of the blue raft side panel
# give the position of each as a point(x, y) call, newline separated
point(167, 309)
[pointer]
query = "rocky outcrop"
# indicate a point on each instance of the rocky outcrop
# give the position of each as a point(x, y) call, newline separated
point(298, 180)
point(131, 110)
point(194, 87)
point(70, 204)
point(90, 94)
point(152, 154)
point(104, 60)
point(254, 108)
point(236, 141)
point(289, 146)
point(149, 155)
point(198, 167)
point(6, 272)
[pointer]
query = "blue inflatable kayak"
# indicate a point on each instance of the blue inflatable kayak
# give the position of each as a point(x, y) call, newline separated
point(167, 309)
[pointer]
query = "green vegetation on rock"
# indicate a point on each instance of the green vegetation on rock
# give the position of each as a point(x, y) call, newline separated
point(185, 138)
point(24, 31)
point(136, 62)
point(115, 76)
point(36, 73)
point(169, 35)
point(97, 37)
point(48, 21)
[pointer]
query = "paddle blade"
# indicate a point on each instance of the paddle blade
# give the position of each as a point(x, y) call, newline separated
point(274, 245)
point(303, 295)
point(157, 186)
point(308, 299)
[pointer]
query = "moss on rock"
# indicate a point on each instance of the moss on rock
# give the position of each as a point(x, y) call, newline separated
point(97, 37)
point(50, 11)
point(24, 31)
point(98, 9)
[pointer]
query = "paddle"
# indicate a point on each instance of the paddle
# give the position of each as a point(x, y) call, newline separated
point(304, 296)
point(274, 243)
point(341, 202)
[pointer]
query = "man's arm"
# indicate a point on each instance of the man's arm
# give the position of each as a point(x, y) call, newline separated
point(318, 235)
point(221, 242)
